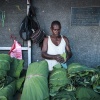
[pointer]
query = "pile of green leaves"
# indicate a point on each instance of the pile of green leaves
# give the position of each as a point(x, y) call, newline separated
point(79, 80)
point(8, 91)
point(80, 74)
point(16, 67)
point(10, 70)
point(96, 80)
point(58, 79)
point(4, 67)
point(86, 93)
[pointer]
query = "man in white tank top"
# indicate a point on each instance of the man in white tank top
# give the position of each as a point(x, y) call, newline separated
point(54, 45)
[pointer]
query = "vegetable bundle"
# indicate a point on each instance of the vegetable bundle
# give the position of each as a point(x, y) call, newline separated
point(36, 83)
point(10, 69)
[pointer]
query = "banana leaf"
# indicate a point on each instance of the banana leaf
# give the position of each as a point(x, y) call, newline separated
point(76, 67)
point(1, 86)
point(38, 68)
point(58, 78)
point(19, 83)
point(2, 80)
point(9, 80)
point(5, 57)
point(84, 93)
point(3, 98)
point(16, 68)
point(64, 95)
point(96, 82)
point(57, 66)
point(4, 65)
point(5, 81)
point(78, 80)
point(64, 56)
point(36, 83)
point(3, 73)
point(8, 91)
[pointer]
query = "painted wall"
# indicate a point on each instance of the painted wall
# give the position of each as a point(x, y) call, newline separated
point(84, 40)
point(15, 11)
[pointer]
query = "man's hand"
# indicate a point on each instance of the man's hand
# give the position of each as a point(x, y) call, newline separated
point(58, 58)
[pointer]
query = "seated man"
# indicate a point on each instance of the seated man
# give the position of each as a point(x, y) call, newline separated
point(54, 45)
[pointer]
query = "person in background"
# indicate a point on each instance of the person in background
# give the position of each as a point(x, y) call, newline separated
point(55, 45)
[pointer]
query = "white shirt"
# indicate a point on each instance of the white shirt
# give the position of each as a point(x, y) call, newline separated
point(54, 50)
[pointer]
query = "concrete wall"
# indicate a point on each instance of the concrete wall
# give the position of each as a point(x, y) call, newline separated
point(15, 11)
point(84, 40)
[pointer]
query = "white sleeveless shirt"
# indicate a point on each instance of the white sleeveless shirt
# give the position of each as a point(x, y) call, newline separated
point(54, 50)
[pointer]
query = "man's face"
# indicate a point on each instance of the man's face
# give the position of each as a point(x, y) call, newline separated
point(56, 30)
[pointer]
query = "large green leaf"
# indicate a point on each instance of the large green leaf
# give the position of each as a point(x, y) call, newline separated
point(16, 68)
point(8, 91)
point(64, 56)
point(5, 57)
point(19, 83)
point(76, 68)
point(38, 68)
point(57, 66)
point(4, 65)
point(64, 95)
point(87, 93)
point(58, 78)
point(36, 83)
point(3, 98)
point(3, 73)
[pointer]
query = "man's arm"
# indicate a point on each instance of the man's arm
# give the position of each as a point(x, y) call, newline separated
point(45, 48)
point(46, 55)
point(68, 49)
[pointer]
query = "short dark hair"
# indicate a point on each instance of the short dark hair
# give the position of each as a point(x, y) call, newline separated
point(55, 23)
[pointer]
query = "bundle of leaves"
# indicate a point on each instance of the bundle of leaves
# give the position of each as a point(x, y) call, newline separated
point(5, 57)
point(8, 91)
point(64, 95)
point(80, 74)
point(96, 80)
point(64, 55)
point(16, 67)
point(4, 67)
point(36, 83)
point(19, 84)
point(10, 68)
point(58, 79)
point(85, 93)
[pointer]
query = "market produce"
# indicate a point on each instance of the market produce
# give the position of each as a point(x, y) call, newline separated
point(64, 56)
point(82, 81)
point(16, 68)
point(7, 92)
point(10, 69)
point(96, 80)
point(64, 95)
point(36, 83)
point(85, 93)
point(19, 82)
point(5, 57)
point(58, 79)
point(3, 73)
point(4, 65)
